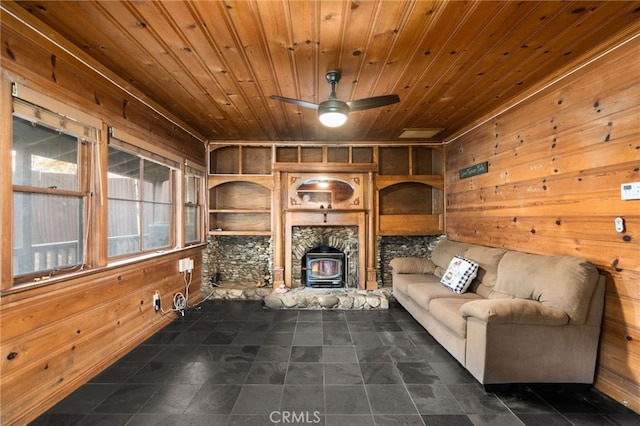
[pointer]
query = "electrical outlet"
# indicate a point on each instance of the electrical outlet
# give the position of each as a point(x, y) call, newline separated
point(157, 301)
point(185, 264)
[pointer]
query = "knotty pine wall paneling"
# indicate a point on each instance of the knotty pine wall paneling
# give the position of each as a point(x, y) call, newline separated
point(556, 163)
point(55, 336)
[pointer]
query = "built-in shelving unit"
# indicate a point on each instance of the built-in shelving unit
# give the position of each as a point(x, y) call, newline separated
point(409, 190)
point(240, 188)
point(345, 158)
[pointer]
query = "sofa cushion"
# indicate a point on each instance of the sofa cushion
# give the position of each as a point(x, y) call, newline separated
point(560, 281)
point(402, 281)
point(423, 293)
point(447, 311)
point(412, 265)
point(459, 274)
point(488, 259)
point(444, 251)
point(514, 311)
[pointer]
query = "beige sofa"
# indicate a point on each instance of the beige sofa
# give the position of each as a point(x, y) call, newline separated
point(525, 318)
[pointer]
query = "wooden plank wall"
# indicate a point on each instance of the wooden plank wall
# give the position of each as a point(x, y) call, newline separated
point(55, 337)
point(556, 163)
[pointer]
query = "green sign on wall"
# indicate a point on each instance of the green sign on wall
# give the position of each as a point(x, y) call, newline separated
point(476, 169)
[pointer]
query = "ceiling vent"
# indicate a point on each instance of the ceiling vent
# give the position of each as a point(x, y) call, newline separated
point(418, 133)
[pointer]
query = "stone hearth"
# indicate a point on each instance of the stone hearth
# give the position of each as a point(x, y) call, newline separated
point(315, 298)
point(235, 291)
point(302, 297)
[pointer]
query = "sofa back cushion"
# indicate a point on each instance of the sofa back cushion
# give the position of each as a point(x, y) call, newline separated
point(560, 281)
point(412, 265)
point(443, 252)
point(487, 259)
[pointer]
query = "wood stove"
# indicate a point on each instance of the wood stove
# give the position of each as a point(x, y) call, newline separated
point(324, 267)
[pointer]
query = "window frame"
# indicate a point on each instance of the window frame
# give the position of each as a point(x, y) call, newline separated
point(199, 173)
point(139, 148)
point(87, 137)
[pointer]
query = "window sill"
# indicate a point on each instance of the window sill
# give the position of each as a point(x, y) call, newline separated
point(70, 276)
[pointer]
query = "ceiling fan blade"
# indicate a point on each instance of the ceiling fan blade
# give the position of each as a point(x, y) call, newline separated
point(374, 102)
point(295, 102)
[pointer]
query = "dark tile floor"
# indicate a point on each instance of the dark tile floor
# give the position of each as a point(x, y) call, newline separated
point(236, 363)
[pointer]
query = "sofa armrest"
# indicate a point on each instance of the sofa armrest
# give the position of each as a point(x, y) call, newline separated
point(514, 311)
point(412, 265)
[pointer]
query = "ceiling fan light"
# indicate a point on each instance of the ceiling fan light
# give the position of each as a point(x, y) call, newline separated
point(333, 113)
point(332, 119)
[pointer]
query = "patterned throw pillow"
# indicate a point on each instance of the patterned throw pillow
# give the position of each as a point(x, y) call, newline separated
point(459, 274)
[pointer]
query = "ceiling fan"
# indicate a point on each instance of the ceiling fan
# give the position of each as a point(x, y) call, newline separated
point(333, 112)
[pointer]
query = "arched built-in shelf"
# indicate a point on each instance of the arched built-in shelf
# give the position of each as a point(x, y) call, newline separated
point(240, 206)
point(410, 205)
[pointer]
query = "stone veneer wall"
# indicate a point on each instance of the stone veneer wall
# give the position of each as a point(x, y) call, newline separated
point(391, 247)
point(239, 259)
point(246, 259)
point(344, 238)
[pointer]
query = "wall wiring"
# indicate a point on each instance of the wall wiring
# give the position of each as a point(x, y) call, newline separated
point(180, 301)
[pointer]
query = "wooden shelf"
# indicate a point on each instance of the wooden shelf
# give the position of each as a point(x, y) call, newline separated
point(437, 181)
point(410, 224)
point(410, 191)
point(325, 210)
point(240, 160)
point(238, 221)
point(333, 156)
point(240, 233)
point(239, 211)
point(240, 189)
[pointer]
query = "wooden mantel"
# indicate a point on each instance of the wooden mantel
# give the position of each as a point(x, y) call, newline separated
point(350, 213)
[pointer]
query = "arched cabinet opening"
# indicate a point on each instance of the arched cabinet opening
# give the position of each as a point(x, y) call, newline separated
point(240, 207)
point(410, 208)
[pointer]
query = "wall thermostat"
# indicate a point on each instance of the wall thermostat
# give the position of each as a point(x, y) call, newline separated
point(630, 191)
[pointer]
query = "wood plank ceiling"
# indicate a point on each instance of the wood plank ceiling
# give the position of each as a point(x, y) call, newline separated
point(213, 64)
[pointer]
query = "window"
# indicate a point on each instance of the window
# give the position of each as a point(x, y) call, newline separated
point(193, 201)
point(49, 192)
point(140, 193)
point(60, 202)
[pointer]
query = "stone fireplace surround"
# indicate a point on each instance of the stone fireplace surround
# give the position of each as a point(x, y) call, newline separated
point(343, 238)
point(344, 230)
point(243, 260)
